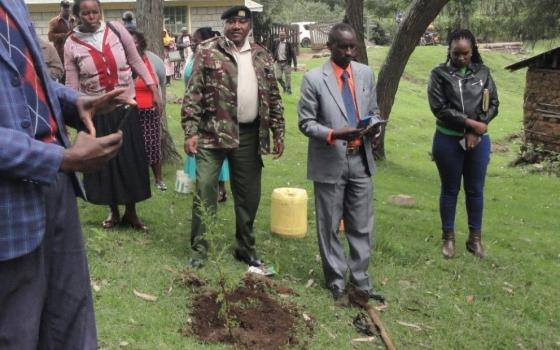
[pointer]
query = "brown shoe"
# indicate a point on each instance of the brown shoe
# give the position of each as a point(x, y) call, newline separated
point(448, 244)
point(474, 244)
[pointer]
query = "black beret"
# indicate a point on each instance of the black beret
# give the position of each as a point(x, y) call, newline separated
point(237, 11)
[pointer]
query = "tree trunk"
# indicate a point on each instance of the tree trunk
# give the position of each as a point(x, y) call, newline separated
point(419, 15)
point(355, 17)
point(149, 20)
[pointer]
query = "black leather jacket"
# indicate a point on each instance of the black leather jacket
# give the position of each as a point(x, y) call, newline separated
point(454, 98)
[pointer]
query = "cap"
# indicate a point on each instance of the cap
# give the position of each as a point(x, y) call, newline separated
point(237, 11)
point(65, 3)
point(184, 29)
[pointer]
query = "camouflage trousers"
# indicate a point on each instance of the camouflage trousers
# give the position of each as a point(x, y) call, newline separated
point(284, 75)
point(245, 166)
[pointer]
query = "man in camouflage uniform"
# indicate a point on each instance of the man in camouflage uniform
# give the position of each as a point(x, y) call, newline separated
point(231, 107)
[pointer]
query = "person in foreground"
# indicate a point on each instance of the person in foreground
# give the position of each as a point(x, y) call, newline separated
point(334, 98)
point(200, 35)
point(464, 100)
point(45, 295)
point(99, 57)
point(231, 106)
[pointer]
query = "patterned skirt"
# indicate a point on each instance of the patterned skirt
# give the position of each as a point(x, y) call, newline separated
point(150, 121)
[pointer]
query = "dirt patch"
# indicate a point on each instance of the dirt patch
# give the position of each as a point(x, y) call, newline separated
point(499, 148)
point(189, 279)
point(307, 55)
point(414, 80)
point(171, 98)
point(513, 137)
point(402, 200)
point(257, 320)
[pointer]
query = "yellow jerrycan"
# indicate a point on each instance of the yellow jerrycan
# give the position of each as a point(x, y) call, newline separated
point(288, 212)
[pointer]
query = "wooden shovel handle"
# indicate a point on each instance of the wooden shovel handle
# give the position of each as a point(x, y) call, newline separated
point(382, 332)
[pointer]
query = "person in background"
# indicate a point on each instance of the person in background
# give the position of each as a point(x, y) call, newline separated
point(59, 28)
point(184, 44)
point(128, 21)
point(155, 61)
point(398, 17)
point(56, 69)
point(159, 69)
point(150, 117)
point(464, 100)
point(334, 98)
point(45, 293)
point(230, 111)
point(125, 180)
point(200, 35)
point(284, 54)
point(168, 46)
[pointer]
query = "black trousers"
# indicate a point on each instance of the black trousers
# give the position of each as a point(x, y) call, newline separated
point(245, 166)
point(45, 296)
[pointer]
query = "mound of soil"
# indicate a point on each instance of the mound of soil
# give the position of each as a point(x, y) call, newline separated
point(257, 321)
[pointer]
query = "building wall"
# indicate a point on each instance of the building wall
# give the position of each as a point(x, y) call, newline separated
point(207, 17)
point(198, 14)
point(542, 108)
point(41, 22)
point(113, 14)
point(41, 18)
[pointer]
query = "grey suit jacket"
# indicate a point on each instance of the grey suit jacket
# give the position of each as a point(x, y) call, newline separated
point(321, 109)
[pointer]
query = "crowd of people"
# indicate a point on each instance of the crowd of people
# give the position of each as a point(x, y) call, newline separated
point(232, 115)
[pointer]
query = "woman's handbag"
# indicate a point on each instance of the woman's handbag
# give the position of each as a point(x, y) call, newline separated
point(175, 56)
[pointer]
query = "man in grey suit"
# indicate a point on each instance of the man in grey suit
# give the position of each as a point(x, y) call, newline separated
point(334, 98)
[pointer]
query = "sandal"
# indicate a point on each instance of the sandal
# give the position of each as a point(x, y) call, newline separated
point(222, 196)
point(110, 222)
point(161, 186)
point(135, 224)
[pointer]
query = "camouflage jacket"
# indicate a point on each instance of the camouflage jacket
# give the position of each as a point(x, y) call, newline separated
point(210, 103)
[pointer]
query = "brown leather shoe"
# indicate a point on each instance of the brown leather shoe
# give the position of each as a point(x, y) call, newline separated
point(448, 244)
point(474, 244)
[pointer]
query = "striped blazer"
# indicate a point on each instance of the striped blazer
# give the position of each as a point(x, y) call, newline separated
point(27, 166)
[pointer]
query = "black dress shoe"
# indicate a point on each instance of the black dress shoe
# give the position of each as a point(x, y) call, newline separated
point(336, 293)
point(249, 260)
point(372, 294)
point(195, 263)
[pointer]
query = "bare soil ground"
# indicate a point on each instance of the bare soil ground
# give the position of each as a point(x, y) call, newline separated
point(257, 320)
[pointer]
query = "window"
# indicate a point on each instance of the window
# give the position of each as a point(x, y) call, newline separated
point(175, 18)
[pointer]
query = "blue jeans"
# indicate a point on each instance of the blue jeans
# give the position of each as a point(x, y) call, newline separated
point(454, 163)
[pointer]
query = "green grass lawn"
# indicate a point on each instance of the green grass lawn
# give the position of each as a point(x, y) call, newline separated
point(510, 300)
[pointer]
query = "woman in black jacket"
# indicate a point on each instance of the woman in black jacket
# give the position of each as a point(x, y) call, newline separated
point(463, 98)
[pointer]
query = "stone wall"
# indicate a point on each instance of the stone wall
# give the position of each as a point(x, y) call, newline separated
point(200, 17)
point(113, 15)
point(207, 17)
point(41, 22)
point(542, 108)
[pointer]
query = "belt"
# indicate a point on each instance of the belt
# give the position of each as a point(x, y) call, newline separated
point(352, 151)
point(251, 125)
